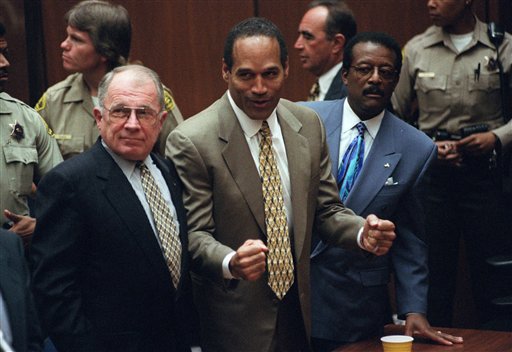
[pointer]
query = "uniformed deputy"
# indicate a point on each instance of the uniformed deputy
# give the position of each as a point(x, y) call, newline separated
point(452, 71)
point(27, 152)
point(98, 40)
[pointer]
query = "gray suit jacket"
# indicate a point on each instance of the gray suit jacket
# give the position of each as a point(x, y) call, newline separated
point(349, 293)
point(224, 203)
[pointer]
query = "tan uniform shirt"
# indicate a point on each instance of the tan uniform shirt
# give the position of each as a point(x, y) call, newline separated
point(26, 154)
point(454, 89)
point(67, 107)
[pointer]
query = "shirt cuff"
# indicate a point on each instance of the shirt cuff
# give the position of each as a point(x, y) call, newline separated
point(360, 238)
point(226, 273)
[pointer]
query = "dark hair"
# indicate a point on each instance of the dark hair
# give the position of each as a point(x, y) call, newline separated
point(141, 72)
point(108, 25)
point(380, 38)
point(2, 29)
point(340, 18)
point(253, 27)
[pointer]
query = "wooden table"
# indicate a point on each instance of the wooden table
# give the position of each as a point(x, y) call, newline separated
point(474, 341)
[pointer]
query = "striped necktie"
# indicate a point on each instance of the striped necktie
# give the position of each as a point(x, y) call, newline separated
point(351, 163)
point(164, 222)
point(314, 92)
point(279, 258)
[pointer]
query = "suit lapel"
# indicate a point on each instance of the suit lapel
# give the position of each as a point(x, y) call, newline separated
point(337, 90)
point(298, 155)
point(121, 196)
point(378, 166)
point(237, 156)
point(333, 122)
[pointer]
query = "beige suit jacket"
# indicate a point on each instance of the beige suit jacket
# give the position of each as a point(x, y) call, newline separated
point(224, 203)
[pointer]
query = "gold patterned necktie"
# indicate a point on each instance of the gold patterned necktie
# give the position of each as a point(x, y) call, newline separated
point(314, 92)
point(279, 258)
point(165, 226)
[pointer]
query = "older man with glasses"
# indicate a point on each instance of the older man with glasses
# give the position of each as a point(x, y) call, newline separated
point(109, 256)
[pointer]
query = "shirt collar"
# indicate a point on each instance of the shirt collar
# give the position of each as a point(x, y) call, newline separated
point(250, 126)
point(127, 166)
point(350, 120)
point(438, 35)
point(325, 80)
point(4, 108)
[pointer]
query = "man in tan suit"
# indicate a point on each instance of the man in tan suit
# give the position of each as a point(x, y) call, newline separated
point(217, 155)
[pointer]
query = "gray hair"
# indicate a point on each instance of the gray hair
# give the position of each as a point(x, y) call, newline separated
point(142, 73)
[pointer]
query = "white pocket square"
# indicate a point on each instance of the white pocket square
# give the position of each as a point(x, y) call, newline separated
point(390, 182)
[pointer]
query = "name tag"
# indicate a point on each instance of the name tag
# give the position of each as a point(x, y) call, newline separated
point(63, 136)
point(426, 74)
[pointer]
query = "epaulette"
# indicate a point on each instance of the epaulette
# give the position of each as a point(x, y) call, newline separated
point(168, 100)
point(41, 104)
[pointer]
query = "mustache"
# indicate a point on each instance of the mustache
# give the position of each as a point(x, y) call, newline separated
point(3, 71)
point(373, 90)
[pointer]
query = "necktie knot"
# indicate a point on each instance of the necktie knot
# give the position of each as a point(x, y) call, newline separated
point(361, 128)
point(141, 166)
point(265, 130)
point(314, 92)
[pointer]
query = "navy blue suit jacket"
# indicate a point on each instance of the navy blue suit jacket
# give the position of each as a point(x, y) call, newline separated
point(14, 285)
point(337, 90)
point(100, 280)
point(349, 292)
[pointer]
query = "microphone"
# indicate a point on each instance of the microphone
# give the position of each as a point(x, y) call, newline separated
point(495, 33)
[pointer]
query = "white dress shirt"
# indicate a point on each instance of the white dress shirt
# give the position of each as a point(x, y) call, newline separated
point(349, 130)
point(325, 80)
point(251, 128)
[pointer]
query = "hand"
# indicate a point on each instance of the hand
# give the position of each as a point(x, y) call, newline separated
point(417, 323)
point(249, 262)
point(478, 143)
point(378, 235)
point(23, 225)
point(447, 153)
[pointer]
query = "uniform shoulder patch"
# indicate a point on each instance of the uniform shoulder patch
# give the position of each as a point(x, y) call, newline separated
point(168, 100)
point(41, 104)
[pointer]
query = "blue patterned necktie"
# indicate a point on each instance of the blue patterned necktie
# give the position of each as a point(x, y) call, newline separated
point(351, 163)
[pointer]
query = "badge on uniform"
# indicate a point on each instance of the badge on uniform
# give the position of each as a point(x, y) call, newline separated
point(17, 131)
point(490, 63)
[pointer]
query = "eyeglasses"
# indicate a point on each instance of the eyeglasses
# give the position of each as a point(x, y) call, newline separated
point(386, 73)
point(121, 114)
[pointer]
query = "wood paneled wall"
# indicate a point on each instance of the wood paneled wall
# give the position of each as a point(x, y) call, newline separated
point(183, 39)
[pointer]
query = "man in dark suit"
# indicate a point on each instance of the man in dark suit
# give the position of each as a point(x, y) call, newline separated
point(323, 32)
point(349, 293)
point(104, 277)
point(19, 325)
point(221, 155)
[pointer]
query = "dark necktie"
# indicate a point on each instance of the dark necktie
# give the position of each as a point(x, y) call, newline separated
point(351, 163)
point(314, 92)
point(279, 258)
point(165, 226)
